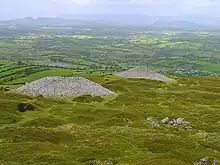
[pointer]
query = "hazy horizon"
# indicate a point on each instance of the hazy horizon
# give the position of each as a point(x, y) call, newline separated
point(12, 9)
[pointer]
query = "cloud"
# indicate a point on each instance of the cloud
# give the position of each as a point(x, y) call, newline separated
point(76, 2)
point(186, 3)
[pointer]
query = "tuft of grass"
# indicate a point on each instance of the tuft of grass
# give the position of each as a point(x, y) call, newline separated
point(48, 122)
point(88, 99)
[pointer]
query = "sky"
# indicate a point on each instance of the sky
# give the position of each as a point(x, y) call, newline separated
point(10, 9)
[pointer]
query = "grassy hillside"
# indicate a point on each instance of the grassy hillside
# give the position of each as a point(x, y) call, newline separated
point(115, 129)
point(120, 129)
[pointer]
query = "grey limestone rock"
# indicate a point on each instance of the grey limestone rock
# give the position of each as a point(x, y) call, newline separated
point(150, 118)
point(207, 161)
point(154, 124)
point(128, 121)
point(178, 121)
point(165, 120)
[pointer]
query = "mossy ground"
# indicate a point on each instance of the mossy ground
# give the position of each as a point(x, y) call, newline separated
point(77, 131)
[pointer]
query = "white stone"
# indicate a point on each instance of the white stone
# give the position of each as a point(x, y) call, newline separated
point(165, 120)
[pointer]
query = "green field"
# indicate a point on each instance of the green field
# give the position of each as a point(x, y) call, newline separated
point(112, 49)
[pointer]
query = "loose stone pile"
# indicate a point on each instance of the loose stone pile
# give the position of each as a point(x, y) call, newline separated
point(143, 73)
point(98, 162)
point(175, 122)
point(172, 122)
point(64, 86)
point(207, 161)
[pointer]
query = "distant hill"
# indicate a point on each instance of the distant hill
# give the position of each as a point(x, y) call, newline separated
point(177, 24)
point(117, 20)
point(174, 23)
point(50, 22)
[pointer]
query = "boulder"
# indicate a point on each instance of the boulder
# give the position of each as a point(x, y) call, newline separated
point(154, 124)
point(150, 119)
point(108, 162)
point(180, 121)
point(174, 122)
point(171, 122)
point(207, 161)
point(215, 162)
point(128, 121)
point(165, 120)
point(186, 122)
point(189, 128)
point(204, 161)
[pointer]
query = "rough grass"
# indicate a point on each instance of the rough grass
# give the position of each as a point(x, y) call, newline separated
point(88, 99)
point(71, 132)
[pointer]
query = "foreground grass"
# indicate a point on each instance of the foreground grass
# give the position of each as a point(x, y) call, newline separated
point(73, 131)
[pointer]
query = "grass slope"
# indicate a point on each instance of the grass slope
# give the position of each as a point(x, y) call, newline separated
point(74, 132)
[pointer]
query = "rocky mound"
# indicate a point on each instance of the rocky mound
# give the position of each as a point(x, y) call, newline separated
point(143, 73)
point(64, 86)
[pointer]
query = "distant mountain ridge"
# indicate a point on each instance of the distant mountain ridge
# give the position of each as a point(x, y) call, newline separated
point(117, 20)
point(49, 22)
point(147, 19)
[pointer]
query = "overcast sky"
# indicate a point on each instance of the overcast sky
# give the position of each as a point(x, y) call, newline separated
point(21, 8)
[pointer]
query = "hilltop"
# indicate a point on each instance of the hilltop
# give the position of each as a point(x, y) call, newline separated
point(120, 129)
point(145, 122)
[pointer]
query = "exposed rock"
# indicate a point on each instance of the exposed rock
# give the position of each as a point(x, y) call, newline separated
point(204, 161)
point(186, 122)
point(165, 120)
point(178, 121)
point(154, 124)
point(23, 107)
point(215, 162)
point(171, 122)
point(128, 121)
point(95, 162)
point(99, 162)
point(174, 122)
point(64, 86)
point(107, 162)
point(207, 161)
point(189, 128)
point(150, 119)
